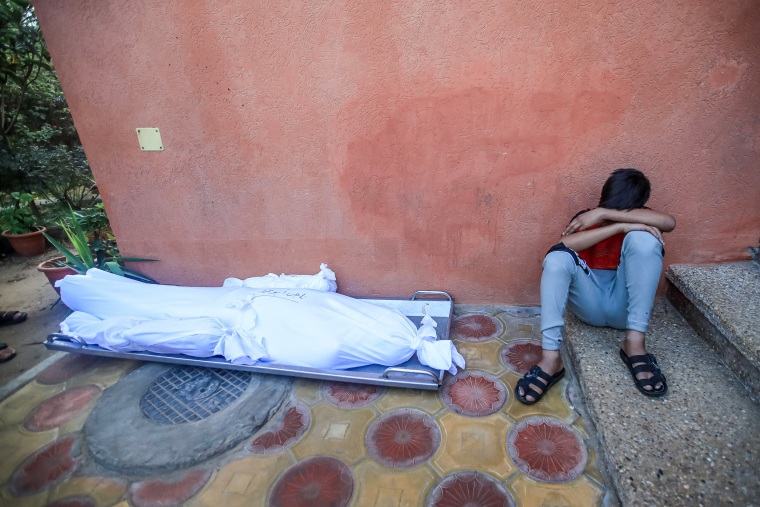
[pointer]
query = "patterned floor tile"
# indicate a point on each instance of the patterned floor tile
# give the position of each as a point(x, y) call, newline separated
point(403, 438)
point(473, 393)
point(321, 480)
point(285, 432)
point(174, 489)
point(67, 368)
point(473, 444)
point(335, 432)
point(521, 328)
point(427, 401)
point(524, 312)
point(75, 501)
point(16, 445)
point(547, 449)
point(348, 395)
point(378, 486)
point(244, 482)
point(61, 408)
point(553, 404)
point(47, 467)
point(469, 488)
point(307, 390)
point(579, 493)
point(476, 327)
point(103, 490)
point(482, 356)
point(520, 355)
point(15, 408)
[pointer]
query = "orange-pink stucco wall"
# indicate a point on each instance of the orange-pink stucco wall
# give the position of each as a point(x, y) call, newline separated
point(409, 144)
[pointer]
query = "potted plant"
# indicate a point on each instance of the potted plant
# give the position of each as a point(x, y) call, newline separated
point(86, 255)
point(19, 225)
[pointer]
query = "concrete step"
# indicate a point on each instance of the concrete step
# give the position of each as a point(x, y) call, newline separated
point(722, 303)
point(698, 445)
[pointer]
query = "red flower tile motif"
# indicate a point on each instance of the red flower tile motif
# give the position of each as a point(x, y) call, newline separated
point(474, 394)
point(74, 501)
point(285, 433)
point(346, 395)
point(47, 467)
point(547, 449)
point(172, 490)
point(476, 327)
point(520, 355)
point(61, 408)
point(469, 488)
point(321, 480)
point(66, 369)
point(403, 438)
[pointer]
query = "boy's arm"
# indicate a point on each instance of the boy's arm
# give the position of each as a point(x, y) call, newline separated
point(584, 239)
point(661, 221)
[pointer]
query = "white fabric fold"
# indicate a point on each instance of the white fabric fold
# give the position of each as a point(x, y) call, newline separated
point(324, 281)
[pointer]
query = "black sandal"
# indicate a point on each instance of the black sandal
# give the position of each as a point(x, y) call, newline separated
point(531, 379)
point(12, 317)
point(650, 365)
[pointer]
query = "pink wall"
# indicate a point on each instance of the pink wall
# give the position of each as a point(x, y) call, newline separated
point(410, 144)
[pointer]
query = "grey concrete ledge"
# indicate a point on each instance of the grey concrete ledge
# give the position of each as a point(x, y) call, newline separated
point(698, 445)
point(728, 295)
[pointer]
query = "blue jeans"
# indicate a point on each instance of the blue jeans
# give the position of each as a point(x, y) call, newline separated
point(621, 298)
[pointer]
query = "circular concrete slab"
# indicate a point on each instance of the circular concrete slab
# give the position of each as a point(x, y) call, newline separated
point(162, 418)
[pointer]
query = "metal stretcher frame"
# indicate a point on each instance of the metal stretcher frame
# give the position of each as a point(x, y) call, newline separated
point(411, 374)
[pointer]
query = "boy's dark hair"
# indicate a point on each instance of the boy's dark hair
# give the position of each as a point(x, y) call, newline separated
point(625, 189)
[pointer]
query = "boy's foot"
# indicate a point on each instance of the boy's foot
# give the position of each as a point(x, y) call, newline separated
point(633, 347)
point(655, 384)
point(552, 369)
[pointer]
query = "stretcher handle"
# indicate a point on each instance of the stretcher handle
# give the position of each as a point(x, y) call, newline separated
point(407, 370)
point(431, 293)
point(66, 337)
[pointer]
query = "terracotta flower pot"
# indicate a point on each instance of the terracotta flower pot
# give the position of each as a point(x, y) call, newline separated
point(29, 244)
point(53, 272)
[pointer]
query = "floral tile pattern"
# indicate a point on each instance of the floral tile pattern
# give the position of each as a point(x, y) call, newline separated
point(333, 443)
point(403, 438)
point(473, 394)
point(321, 480)
point(547, 450)
point(469, 488)
point(520, 355)
point(476, 327)
point(348, 395)
point(286, 432)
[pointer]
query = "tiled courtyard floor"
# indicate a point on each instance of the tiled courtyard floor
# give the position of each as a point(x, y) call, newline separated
point(331, 443)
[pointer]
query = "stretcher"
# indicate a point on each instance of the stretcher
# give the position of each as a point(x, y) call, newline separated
point(412, 374)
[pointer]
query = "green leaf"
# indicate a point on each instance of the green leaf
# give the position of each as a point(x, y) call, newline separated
point(74, 261)
point(114, 268)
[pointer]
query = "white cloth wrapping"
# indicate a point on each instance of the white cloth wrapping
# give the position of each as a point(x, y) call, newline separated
point(324, 280)
point(288, 326)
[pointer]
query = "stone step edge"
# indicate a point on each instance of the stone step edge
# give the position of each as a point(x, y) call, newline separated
point(714, 335)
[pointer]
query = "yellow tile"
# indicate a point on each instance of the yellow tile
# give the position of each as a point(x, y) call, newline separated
point(581, 427)
point(105, 491)
point(482, 356)
point(107, 373)
point(244, 482)
point(335, 432)
point(553, 404)
point(592, 469)
point(38, 500)
point(520, 327)
point(307, 390)
point(580, 492)
point(394, 398)
point(473, 443)
point(14, 409)
point(379, 486)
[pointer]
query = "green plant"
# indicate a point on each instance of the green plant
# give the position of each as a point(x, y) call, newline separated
point(18, 217)
point(83, 259)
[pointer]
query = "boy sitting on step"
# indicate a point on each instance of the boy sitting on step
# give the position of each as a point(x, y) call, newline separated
point(606, 269)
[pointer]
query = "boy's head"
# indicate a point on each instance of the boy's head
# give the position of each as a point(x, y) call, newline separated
point(625, 189)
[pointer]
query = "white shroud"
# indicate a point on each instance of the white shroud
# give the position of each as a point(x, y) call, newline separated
point(245, 322)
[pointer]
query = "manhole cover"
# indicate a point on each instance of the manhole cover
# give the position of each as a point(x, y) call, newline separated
point(188, 394)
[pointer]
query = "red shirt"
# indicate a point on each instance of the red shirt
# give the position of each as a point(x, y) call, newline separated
point(606, 253)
